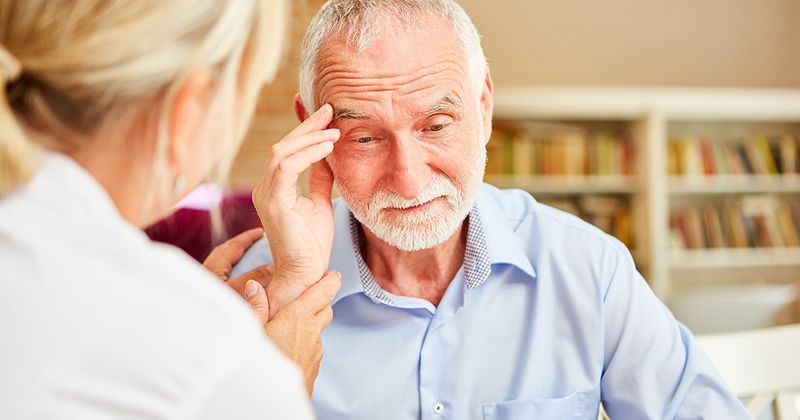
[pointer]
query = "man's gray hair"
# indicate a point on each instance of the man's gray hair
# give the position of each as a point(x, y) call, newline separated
point(363, 21)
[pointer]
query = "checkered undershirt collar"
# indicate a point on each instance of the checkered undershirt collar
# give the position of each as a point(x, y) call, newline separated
point(477, 265)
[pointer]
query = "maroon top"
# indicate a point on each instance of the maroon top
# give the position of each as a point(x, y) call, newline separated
point(189, 228)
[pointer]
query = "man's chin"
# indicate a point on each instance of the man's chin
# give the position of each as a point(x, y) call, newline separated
point(411, 242)
point(415, 236)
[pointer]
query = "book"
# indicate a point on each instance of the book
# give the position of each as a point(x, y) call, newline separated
point(788, 155)
point(787, 227)
point(749, 221)
point(737, 227)
point(707, 157)
point(692, 157)
point(522, 154)
point(762, 209)
point(558, 150)
point(713, 226)
point(610, 214)
point(765, 155)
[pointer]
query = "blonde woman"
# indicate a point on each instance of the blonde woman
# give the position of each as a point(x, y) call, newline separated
point(110, 112)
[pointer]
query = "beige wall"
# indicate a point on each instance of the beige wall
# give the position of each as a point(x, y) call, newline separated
point(275, 114)
point(641, 42)
point(589, 42)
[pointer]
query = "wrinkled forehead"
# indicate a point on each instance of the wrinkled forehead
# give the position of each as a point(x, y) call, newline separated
point(403, 63)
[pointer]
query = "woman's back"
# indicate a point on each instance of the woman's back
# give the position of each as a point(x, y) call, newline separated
point(97, 322)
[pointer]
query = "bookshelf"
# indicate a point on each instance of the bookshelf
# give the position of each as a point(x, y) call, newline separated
point(566, 184)
point(704, 125)
point(731, 184)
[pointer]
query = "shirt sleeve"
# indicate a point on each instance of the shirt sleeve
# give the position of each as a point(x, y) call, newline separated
point(255, 387)
point(653, 368)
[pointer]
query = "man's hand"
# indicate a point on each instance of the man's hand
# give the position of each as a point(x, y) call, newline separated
point(299, 229)
point(296, 328)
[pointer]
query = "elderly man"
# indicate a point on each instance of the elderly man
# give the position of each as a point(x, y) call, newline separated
point(458, 300)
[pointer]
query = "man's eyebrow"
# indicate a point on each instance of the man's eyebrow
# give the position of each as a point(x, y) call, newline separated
point(349, 114)
point(449, 101)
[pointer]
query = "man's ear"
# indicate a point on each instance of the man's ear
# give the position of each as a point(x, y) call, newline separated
point(189, 109)
point(300, 109)
point(487, 106)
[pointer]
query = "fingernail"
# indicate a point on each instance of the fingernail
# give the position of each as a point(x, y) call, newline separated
point(250, 289)
point(324, 109)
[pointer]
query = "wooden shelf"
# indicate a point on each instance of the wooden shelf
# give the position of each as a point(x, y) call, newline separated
point(566, 185)
point(732, 184)
point(631, 103)
point(734, 258)
point(651, 116)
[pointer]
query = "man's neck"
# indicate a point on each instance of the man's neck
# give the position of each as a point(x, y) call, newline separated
point(423, 274)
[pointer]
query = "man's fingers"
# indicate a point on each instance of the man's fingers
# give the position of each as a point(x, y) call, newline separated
point(291, 145)
point(261, 274)
point(319, 120)
point(321, 182)
point(289, 170)
point(223, 257)
point(290, 148)
point(256, 297)
point(319, 295)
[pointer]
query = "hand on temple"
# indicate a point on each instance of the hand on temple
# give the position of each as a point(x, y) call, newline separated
point(299, 228)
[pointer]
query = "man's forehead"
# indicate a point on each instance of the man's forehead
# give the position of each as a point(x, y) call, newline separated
point(364, 110)
point(397, 59)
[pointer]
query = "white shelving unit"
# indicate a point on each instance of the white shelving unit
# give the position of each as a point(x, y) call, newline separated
point(735, 184)
point(652, 116)
point(556, 185)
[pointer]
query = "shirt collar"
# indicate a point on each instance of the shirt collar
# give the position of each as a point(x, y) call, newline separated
point(503, 244)
point(343, 256)
point(490, 241)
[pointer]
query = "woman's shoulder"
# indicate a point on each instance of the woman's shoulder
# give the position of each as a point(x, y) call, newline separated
point(121, 311)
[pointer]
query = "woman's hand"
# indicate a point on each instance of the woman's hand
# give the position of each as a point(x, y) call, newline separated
point(299, 229)
point(222, 258)
point(297, 328)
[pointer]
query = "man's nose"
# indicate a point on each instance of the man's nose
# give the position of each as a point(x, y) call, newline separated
point(409, 171)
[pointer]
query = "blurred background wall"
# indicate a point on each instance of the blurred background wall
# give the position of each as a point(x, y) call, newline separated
point(634, 42)
point(572, 42)
point(275, 114)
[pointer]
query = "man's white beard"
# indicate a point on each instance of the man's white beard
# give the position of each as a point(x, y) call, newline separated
point(424, 228)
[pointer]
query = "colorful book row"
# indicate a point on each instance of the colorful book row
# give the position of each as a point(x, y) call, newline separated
point(756, 156)
point(570, 153)
point(611, 214)
point(750, 221)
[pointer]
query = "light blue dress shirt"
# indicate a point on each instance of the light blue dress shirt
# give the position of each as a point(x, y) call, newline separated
point(546, 318)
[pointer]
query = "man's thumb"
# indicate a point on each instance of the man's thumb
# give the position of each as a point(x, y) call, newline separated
point(256, 297)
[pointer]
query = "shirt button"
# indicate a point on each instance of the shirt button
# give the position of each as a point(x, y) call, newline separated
point(438, 408)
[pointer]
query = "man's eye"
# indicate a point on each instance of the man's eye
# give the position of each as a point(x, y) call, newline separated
point(436, 127)
point(365, 139)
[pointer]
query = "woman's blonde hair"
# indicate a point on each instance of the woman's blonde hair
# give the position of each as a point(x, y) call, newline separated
point(80, 61)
